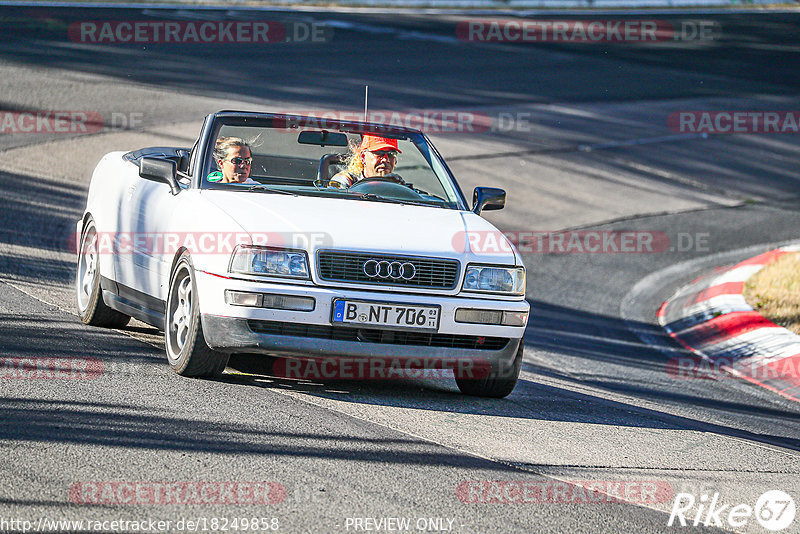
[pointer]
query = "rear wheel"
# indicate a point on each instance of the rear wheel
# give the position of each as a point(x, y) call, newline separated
point(187, 351)
point(499, 381)
point(91, 308)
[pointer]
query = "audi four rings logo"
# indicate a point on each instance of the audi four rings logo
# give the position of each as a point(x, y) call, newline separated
point(389, 269)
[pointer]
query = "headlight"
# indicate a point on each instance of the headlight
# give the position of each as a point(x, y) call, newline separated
point(270, 262)
point(510, 280)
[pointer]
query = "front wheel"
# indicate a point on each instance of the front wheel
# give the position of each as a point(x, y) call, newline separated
point(498, 383)
point(187, 351)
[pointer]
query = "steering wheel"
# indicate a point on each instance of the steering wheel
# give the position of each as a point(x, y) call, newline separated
point(385, 187)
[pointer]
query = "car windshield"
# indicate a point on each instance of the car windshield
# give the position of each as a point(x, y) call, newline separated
point(291, 157)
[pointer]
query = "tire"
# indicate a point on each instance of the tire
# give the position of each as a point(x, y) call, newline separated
point(92, 310)
point(187, 351)
point(498, 383)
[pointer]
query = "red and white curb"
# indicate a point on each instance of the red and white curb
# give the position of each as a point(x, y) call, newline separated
point(711, 318)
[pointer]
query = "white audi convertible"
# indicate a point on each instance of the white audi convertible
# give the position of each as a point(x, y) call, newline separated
point(269, 252)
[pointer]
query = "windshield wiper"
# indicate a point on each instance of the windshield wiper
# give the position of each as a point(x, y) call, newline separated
point(262, 187)
point(378, 198)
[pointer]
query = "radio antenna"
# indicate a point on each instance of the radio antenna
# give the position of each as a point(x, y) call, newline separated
point(366, 98)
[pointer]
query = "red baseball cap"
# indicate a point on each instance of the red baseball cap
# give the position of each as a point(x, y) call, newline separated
point(373, 142)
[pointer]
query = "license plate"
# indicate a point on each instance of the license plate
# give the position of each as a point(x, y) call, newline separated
point(405, 316)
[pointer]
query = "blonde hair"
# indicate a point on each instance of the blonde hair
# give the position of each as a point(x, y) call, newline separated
point(354, 163)
point(222, 146)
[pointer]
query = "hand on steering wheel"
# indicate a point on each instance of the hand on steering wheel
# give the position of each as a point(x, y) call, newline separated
point(385, 186)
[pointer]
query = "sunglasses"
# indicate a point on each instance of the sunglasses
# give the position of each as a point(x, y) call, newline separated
point(239, 161)
point(384, 153)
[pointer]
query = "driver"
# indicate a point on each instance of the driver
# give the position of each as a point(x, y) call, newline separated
point(375, 157)
point(233, 158)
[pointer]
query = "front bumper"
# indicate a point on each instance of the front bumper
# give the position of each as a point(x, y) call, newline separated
point(229, 334)
point(230, 328)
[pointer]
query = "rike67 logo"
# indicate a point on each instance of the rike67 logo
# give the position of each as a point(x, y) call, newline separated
point(774, 510)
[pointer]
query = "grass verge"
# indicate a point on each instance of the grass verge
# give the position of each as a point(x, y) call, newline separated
point(774, 291)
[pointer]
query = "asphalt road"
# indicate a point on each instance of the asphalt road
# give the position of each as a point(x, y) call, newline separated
point(578, 133)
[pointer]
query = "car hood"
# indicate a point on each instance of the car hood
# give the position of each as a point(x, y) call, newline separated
point(314, 223)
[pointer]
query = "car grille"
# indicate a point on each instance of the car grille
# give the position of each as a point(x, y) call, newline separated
point(349, 267)
point(370, 335)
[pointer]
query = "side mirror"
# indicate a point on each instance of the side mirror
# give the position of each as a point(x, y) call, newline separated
point(488, 198)
point(160, 170)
